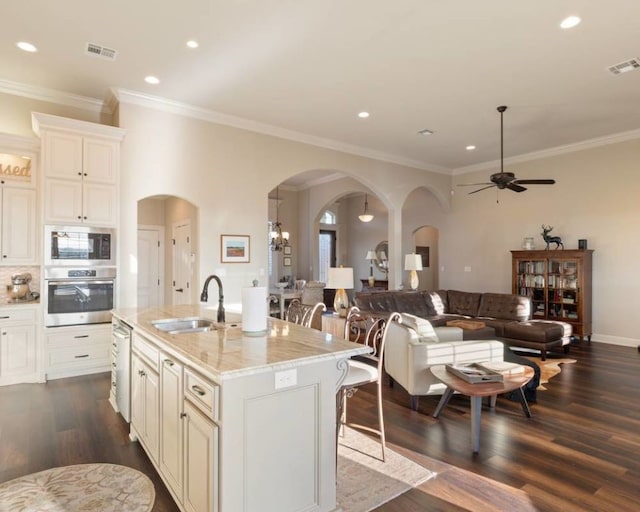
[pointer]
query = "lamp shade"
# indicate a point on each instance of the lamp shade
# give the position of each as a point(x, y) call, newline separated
point(371, 255)
point(412, 262)
point(340, 278)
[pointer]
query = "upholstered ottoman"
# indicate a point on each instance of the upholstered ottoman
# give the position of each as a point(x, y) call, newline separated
point(540, 335)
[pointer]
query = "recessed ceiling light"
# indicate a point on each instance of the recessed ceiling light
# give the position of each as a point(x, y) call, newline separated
point(27, 47)
point(151, 80)
point(363, 115)
point(425, 132)
point(192, 43)
point(470, 148)
point(570, 22)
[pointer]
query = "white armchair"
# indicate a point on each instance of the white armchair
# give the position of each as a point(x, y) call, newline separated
point(414, 345)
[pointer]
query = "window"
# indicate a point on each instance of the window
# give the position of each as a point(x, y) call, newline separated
point(328, 217)
point(327, 253)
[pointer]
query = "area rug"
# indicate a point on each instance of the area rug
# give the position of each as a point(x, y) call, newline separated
point(79, 488)
point(364, 481)
point(549, 368)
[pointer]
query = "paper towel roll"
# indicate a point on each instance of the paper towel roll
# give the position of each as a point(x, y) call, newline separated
point(254, 309)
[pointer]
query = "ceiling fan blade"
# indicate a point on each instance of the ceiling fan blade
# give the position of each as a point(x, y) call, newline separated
point(483, 188)
point(535, 182)
point(473, 184)
point(515, 187)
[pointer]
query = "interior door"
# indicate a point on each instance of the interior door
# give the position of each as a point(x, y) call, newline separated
point(149, 268)
point(181, 263)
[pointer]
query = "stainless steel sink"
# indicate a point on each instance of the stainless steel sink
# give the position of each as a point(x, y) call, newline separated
point(183, 325)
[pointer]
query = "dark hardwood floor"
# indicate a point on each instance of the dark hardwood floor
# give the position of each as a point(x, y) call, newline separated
point(579, 452)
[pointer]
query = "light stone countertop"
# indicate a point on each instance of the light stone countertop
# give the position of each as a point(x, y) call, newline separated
point(227, 352)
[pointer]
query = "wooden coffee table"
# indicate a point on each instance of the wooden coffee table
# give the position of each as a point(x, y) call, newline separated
point(477, 391)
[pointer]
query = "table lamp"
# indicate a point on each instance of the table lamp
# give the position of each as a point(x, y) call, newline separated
point(413, 263)
point(371, 256)
point(340, 279)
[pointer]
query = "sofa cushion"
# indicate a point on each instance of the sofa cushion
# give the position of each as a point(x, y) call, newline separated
point(439, 302)
point(422, 327)
point(539, 332)
point(416, 303)
point(463, 303)
point(382, 301)
point(505, 306)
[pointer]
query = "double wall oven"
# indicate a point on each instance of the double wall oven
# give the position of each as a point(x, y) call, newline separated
point(79, 275)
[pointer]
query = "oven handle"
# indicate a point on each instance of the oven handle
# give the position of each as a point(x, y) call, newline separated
point(84, 281)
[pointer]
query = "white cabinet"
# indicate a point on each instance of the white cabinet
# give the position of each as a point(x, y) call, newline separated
point(145, 395)
point(171, 421)
point(80, 163)
point(77, 350)
point(18, 225)
point(200, 461)
point(18, 345)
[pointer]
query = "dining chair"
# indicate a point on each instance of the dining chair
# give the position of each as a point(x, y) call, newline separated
point(366, 369)
point(304, 314)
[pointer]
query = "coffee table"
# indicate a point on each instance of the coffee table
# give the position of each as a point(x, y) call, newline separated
point(477, 391)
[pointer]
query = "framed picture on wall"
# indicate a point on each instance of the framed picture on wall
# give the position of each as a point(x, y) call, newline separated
point(287, 250)
point(423, 251)
point(234, 249)
point(286, 262)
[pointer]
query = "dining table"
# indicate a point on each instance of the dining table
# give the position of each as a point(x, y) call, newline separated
point(283, 295)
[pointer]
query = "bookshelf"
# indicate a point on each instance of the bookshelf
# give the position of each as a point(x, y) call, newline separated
point(559, 285)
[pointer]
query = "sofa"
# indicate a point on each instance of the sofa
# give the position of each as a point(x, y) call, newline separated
point(507, 317)
point(413, 345)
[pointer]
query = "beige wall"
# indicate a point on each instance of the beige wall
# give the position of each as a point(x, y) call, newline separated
point(227, 174)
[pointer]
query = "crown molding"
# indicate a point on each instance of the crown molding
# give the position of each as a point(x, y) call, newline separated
point(184, 109)
point(40, 121)
point(558, 150)
point(54, 96)
point(18, 143)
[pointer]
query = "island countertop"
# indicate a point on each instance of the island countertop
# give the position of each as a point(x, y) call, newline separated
point(227, 352)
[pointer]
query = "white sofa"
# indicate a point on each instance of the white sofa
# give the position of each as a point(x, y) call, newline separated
point(414, 345)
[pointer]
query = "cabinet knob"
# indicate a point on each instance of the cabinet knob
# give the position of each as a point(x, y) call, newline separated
point(85, 217)
point(79, 174)
point(85, 174)
point(79, 217)
point(4, 333)
point(4, 255)
point(183, 415)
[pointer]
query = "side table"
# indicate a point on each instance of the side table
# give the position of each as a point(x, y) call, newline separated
point(477, 391)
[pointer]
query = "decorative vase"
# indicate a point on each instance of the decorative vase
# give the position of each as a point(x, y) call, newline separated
point(527, 243)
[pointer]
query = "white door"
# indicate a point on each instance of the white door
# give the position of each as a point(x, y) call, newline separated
point(149, 268)
point(181, 262)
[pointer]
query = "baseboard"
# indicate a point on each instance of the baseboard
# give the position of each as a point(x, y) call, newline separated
point(615, 340)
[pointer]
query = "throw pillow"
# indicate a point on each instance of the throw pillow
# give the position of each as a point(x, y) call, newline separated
point(436, 300)
point(422, 327)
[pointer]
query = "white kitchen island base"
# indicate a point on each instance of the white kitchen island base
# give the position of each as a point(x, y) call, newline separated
point(237, 423)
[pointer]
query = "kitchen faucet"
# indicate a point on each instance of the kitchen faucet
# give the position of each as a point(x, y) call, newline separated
point(204, 296)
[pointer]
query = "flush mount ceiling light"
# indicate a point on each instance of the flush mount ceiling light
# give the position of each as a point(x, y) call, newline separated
point(365, 216)
point(425, 132)
point(27, 47)
point(470, 148)
point(152, 80)
point(570, 22)
point(363, 115)
point(192, 43)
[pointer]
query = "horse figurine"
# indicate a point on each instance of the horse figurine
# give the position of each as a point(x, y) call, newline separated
point(551, 239)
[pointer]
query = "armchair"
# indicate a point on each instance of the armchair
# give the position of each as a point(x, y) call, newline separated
point(414, 345)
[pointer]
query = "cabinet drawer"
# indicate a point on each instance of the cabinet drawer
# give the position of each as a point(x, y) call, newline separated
point(10, 316)
point(148, 352)
point(57, 338)
point(88, 355)
point(202, 393)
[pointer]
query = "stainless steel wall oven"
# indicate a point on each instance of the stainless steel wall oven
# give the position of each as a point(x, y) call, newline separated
point(75, 296)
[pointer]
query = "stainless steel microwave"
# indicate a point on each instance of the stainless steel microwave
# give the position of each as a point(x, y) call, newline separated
point(79, 246)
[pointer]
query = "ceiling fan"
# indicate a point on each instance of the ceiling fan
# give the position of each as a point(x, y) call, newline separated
point(503, 179)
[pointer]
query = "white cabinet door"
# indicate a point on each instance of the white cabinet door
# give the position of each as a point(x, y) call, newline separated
point(17, 351)
point(18, 226)
point(171, 400)
point(62, 201)
point(144, 405)
point(200, 461)
point(62, 155)
point(99, 204)
point(100, 160)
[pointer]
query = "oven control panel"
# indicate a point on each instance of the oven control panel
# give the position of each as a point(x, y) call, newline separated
point(81, 273)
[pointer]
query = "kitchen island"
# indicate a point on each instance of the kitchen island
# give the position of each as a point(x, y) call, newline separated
point(236, 422)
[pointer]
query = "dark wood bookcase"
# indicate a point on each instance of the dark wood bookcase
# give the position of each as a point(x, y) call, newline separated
point(559, 284)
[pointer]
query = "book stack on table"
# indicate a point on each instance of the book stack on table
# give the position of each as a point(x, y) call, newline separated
point(490, 371)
